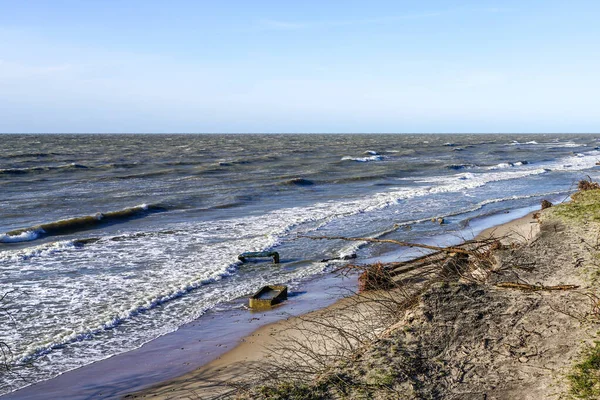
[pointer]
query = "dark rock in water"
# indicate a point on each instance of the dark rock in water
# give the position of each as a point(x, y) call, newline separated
point(546, 204)
point(300, 182)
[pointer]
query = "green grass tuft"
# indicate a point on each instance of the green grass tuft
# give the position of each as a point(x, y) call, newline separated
point(585, 378)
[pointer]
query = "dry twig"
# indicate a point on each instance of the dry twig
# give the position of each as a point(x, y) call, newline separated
point(534, 288)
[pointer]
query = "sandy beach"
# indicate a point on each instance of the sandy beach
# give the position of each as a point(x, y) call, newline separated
point(216, 378)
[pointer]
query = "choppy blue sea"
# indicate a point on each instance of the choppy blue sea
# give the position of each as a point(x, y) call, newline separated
point(109, 241)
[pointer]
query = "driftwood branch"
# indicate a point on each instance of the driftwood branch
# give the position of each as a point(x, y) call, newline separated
point(403, 244)
point(528, 287)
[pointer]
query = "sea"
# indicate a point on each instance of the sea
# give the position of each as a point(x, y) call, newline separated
point(110, 241)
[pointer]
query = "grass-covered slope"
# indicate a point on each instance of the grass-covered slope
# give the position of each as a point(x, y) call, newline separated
point(585, 207)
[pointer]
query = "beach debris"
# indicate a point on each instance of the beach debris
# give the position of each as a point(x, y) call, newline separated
point(375, 277)
point(534, 288)
point(455, 265)
point(587, 184)
point(497, 245)
point(344, 258)
point(546, 204)
point(450, 249)
point(259, 254)
point(471, 261)
point(268, 296)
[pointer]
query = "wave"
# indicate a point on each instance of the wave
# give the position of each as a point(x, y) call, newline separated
point(28, 155)
point(224, 206)
point(508, 165)
point(501, 166)
point(71, 225)
point(517, 143)
point(460, 166)
point(298, 182)
point(355, 178)
point(29, 170)
point(35, 352)
point(25, 236)
point(138, 176)
point(569, 144)
point(377, 157)
point(121, 165)
point(43, 250)
point(549, 144)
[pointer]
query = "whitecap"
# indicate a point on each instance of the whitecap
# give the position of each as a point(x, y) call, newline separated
point(363, 159)
point(501, 166)
point(26, 236)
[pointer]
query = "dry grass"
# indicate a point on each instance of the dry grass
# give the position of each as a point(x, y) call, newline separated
point(308, 358)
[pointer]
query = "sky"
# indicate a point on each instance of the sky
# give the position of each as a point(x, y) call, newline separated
point(299, 66)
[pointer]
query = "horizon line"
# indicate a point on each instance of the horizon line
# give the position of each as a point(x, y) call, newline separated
point(299, 133)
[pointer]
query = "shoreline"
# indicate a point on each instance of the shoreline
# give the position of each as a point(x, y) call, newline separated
point(190, 347)
point(162, 363)
point(214, 378)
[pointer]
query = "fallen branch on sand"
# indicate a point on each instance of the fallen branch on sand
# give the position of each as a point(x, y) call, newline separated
point(533, 288)
point(404, 244)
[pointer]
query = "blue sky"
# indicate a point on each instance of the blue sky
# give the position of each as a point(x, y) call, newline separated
point(299, 66)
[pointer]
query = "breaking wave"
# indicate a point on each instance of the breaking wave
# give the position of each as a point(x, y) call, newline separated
point(377, 157)
point(71, 225)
